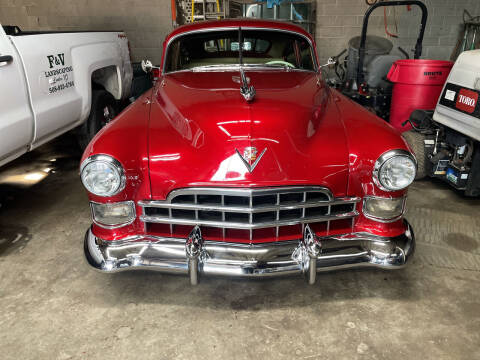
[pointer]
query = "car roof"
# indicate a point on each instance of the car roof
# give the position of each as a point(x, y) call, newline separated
point(235, 23)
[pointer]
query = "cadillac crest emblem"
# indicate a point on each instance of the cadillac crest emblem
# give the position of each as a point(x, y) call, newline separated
point(249, 157)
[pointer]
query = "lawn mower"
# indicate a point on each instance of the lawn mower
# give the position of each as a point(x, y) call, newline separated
point(362, 74)
point(446, 141)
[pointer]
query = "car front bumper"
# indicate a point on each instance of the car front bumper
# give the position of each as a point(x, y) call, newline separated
point(193, 256)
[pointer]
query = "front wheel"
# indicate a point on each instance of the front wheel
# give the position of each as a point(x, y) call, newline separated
point(102, 111)
point(417, 143)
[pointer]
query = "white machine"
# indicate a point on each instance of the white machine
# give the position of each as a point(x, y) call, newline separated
point(447, 140)
point(51, 82)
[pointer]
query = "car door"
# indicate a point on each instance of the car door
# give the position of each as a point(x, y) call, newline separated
point(16, 118)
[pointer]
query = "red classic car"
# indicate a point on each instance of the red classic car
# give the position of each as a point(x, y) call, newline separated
point(242, 162)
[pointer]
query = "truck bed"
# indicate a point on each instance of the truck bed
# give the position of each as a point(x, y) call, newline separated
point(14, 30)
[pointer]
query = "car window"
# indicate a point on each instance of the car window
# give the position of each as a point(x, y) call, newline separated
point(265, 48)
point(262, 45)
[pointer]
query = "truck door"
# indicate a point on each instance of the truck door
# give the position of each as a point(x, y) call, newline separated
point(49, 70)
point(16, 118)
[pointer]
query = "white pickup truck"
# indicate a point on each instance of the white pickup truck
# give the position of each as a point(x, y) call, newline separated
point(52, 82)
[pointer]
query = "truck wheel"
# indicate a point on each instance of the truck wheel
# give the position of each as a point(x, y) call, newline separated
point(416, 142)
point(102, 111)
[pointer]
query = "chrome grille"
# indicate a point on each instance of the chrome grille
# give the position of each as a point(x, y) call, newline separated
point(248, 209)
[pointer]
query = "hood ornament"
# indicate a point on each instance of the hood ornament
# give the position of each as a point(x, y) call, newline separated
point(249, 157)
point(248, 92)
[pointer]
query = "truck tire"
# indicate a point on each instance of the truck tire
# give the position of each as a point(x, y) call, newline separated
point(102, 111)
point(416, 142)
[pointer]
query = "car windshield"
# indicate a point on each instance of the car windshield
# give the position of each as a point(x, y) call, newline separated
point(214, 50)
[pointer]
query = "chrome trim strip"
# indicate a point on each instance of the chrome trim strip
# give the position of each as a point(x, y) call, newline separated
point(232, 68)
point(246, 192)
point(206, 207)
point(228, 28)
point(171, 255)
point(245, 226)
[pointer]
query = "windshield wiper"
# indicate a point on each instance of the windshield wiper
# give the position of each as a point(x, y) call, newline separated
point(214, 66)
point(280, 66)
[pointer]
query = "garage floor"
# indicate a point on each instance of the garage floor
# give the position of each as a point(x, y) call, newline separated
point(52, 306)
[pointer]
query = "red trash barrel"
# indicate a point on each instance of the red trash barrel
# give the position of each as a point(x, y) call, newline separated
point(417, 85)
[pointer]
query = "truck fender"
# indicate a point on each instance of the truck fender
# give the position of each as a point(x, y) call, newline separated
point(106, 56)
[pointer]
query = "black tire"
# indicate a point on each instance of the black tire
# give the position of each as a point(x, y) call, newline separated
point(102, 111)
point(416, 142)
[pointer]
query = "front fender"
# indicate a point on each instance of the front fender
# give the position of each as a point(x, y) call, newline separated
point(126, 140)
point(368, 137)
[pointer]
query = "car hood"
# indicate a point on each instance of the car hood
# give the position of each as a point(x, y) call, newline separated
point(200, 127)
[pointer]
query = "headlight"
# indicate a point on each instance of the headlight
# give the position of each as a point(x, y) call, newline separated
point(102, 175)
point(395, 170)
point(383, 209)
point(113, 215)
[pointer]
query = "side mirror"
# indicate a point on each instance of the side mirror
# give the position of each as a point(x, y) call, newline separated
point(331, 61)
point(147, 66)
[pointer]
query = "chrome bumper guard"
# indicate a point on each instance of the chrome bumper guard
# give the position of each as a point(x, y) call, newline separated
point(194, 256)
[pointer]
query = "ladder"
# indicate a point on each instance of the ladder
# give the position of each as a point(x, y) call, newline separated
point(469, 39)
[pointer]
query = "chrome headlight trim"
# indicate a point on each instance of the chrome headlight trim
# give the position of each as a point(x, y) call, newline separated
point(379, 219)
point(111, 161)
point(383, 159)
point(116, 226)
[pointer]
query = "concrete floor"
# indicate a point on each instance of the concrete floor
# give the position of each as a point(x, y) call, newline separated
point(53, 306)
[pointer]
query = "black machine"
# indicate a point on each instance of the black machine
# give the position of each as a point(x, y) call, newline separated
point(362, 74)
point(444, 153)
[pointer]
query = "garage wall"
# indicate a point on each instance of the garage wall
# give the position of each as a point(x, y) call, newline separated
point(340, 20)
point(148, 21)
